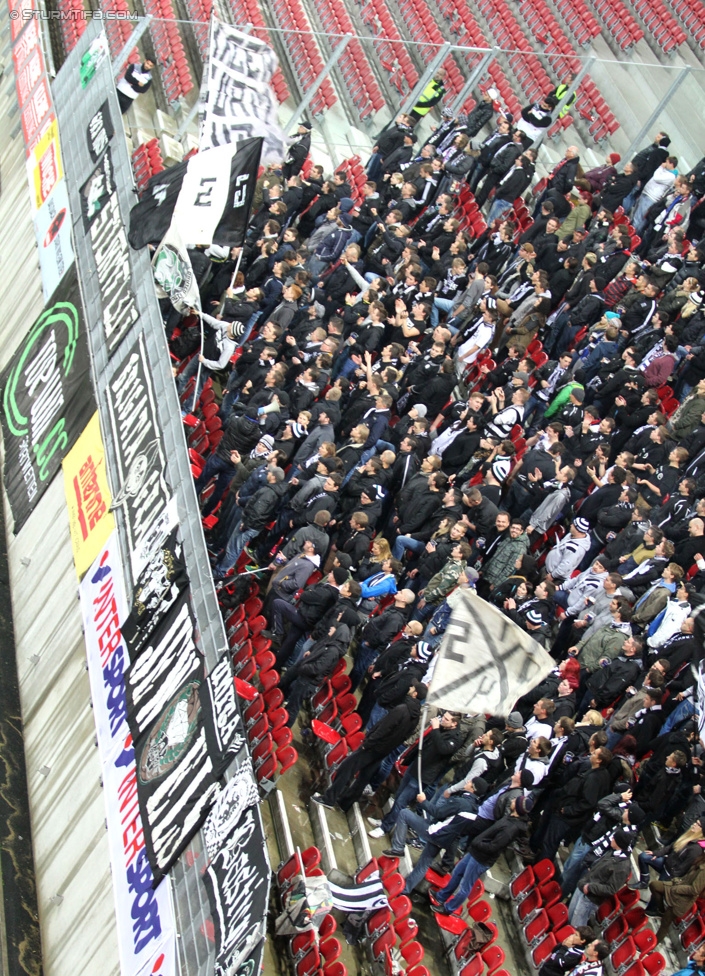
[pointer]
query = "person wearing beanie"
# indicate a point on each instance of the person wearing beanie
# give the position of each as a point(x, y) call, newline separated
point(616, 811)
point(606, 876)
point(437, 826)
point(484, 851)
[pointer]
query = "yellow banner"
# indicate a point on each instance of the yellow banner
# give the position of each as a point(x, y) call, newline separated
point(87, 496)
point(44, 165)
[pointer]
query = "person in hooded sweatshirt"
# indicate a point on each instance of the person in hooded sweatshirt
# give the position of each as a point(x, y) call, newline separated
point(318, 662)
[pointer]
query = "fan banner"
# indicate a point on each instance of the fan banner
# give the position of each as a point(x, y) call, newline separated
point(157, 588)
point(47, 399)
point(176, 781)
point(141, 492)
point(238, 101)
point(224, 729)
point(486, 662)
point(238, 873)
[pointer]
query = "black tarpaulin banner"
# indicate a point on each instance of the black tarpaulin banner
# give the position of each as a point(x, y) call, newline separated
point(176, 784)
point(155, 592)
point(237, 876)
point(47, 399)
point(224, 729)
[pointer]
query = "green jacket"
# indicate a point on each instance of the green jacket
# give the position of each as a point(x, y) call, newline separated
point(440, 585)
point(574, 221)
point(606, 642)
point(561, 398)
point(687, 417)
point(501, 564)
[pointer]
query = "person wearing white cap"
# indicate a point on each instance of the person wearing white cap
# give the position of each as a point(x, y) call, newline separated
point(567, 554)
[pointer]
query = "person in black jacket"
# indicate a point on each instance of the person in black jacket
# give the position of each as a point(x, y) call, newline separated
point(605, 685)
point(618, 188)
point(571, 806)
point(500, 165)
point(259, 510)
point(240, 436)
point(298, 151)
point(378, 632)
point(357, 770)
point(315, 601)
point(484, 851)
point(317, 663)
point(569, 953)
point(439, 744)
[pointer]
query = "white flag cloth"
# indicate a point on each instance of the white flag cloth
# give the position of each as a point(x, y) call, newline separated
point(237, 99)
point(173, 273)
point(486, 662)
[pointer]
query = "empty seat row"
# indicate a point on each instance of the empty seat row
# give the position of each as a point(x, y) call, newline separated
point(303, 52)
point(691, 14)
point(175, 74)
point(364, 92)
point(619, 22)
point(660, 23)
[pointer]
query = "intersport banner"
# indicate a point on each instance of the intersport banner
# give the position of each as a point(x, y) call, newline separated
point(145, 922)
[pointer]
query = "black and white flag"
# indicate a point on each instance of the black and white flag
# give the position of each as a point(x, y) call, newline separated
point(486, 662)
point(213, 206)
point(363, 897)
point(238, 101)
point(150, 218)
point(156, 590)
point(176, 784)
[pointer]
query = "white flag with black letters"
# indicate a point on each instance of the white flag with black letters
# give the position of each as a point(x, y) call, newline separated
point(237, 99)
point(486, 662)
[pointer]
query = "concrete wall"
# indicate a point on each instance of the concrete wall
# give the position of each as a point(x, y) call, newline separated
point(66, 801)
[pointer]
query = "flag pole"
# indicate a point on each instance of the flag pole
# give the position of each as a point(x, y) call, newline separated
point(199, 313)
point(200, 316)
point(424, 716)
point(237, 268)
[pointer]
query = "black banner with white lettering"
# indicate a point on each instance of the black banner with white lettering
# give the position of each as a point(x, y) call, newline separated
point(97, 190)
point(47, 399)
point(156, 590)
point(176, 781)
point(142, 491)
point(100, 131)
point(224, 729)
point(237, 876)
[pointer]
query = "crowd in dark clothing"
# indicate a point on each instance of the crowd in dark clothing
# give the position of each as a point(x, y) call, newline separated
point(411, 410)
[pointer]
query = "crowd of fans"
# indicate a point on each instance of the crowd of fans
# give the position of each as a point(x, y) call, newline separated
point(427, 406)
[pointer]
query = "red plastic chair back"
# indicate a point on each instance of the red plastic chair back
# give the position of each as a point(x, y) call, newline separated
point(493, 957)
